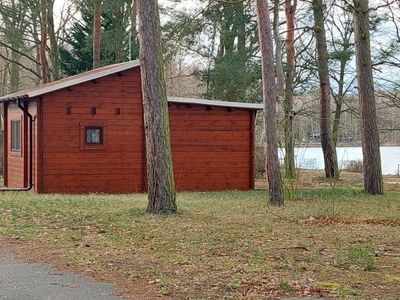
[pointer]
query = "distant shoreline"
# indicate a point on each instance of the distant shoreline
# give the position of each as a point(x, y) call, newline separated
point(343, 145)
point(317, 145)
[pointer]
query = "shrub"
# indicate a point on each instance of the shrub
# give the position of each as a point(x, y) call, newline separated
point(355, 166)
point(260, 162)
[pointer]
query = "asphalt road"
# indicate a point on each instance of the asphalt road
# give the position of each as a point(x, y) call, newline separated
point(27, 281)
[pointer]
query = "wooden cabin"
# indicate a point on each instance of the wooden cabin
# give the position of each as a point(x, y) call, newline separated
point(86, 135)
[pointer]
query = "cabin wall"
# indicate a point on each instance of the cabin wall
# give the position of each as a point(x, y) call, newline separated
point(212, 147)
point(17, 164)
point(34, 110)
point(70, 166)
point(15, 159)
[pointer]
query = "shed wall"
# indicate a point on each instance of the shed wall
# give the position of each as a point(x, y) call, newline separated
point(211, 147)
point(18, 161)
point(15, 165)
point(69, 166)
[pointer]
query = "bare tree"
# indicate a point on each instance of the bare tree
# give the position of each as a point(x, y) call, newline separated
point(161, 186)
point(373, 183)
point(270, 101)
point(340, 29)
point(331, 167)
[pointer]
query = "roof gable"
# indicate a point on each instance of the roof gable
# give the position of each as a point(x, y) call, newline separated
point(71, 81)
point(113, 69)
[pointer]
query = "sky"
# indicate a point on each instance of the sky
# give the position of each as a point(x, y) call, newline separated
point(380, 37)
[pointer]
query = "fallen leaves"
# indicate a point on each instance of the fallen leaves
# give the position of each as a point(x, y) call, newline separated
point(336, 219)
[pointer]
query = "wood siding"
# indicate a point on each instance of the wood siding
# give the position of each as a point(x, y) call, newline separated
point(70, 166)
point(211, 147)
point(15, 160)
point(18, 161)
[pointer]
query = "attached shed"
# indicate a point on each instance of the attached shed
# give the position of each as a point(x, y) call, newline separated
point(87, 136)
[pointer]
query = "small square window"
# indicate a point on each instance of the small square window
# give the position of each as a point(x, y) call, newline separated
point(16, 135)
point(94, 135)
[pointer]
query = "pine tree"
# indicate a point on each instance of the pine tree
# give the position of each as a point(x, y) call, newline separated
point(160, 175)
point(77, 56)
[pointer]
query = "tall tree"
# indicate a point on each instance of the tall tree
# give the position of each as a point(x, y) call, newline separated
point(270, 101)
point(44, 66)
point(223, 33)
point(96, 33)
point(230, 75)
point(290, 10)
point(331, 167)
point(54, 51)
point(341, 32)
point(161, 185)
point(13, 23)
point(77, 52)
point(373, 183)
point(133, 35)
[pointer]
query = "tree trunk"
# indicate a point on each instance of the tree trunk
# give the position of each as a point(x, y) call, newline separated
point(270, 101)
point(134, 19)
point(54, 53)
point(161, 186)
point(239, 92)
point(134, 33)
point(339, 103)
point(35, 26)
point(96, 34)
point(290, 10)
point(331, 167)
point(373, 183)
point(280, 77)
point(118, 33)
point(336, 121)
point(14, 73)
point(44, 67)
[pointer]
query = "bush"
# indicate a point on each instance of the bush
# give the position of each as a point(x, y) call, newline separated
point(260, 162)
point(355, 166)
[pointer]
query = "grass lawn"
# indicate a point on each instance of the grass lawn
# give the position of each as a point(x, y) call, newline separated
point(232, 245)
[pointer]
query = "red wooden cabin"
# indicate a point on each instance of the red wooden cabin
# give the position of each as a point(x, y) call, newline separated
point(87, 136)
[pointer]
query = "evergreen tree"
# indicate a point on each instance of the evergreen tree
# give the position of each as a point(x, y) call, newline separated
point(225, 35)
point(77, 56)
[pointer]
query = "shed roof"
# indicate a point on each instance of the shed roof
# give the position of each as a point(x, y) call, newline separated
point(72, 80)
point(245, 105)
point(109, 70)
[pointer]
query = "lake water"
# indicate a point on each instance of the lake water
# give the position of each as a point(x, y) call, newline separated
point(312, 158)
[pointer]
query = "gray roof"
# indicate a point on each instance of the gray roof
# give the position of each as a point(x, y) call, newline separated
point(109, 70)
point(244, 105)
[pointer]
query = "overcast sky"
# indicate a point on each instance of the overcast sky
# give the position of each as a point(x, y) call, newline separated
point(379, 39)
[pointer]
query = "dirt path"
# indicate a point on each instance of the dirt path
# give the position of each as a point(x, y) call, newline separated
point(31, 281)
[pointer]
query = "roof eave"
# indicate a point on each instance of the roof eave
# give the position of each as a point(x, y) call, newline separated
point(68, 83)
point(227, 104)
point(14, 98)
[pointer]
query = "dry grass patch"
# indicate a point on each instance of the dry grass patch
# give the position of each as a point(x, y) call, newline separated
point(221, 245)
